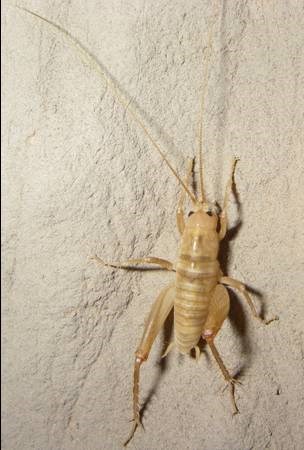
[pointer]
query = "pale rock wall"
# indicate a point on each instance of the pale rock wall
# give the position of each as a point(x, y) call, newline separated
point(81, 178)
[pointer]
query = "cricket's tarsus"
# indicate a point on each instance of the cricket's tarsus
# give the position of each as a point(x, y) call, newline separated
point(198, 295)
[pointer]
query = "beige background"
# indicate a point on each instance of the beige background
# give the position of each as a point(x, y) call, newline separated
point(80, 178)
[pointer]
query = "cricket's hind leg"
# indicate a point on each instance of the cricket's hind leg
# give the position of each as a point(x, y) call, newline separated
point(158, 314)
point(219, 309)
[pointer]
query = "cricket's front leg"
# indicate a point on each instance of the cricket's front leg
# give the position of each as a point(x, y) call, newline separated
point(158, 314)
point(129, 263)
point(180, 215)
point(223, 215)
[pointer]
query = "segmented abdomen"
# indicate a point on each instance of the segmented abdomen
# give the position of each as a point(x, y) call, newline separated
point(196, 278)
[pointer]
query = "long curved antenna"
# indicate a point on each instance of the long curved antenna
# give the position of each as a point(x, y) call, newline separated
point(203, 98)
point(94, 63)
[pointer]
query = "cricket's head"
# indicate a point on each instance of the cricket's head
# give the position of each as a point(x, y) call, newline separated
point(200, 236)
point(203, 215)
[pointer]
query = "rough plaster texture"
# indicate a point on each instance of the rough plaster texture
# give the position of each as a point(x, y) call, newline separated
point(80, 178)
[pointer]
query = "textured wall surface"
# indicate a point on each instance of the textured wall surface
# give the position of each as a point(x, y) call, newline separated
point(81, 178)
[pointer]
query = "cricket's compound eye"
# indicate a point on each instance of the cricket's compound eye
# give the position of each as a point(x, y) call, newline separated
point(190, 213)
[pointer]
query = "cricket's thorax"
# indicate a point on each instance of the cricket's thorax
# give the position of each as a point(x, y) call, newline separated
point(197, 274)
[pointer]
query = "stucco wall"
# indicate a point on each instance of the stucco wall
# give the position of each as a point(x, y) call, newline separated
point(80, 178)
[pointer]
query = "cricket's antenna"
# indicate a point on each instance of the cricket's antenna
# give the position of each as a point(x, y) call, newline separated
point(116, 92)
point(202, 196)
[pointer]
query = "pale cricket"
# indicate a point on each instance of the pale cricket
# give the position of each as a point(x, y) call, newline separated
point(198, 296)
